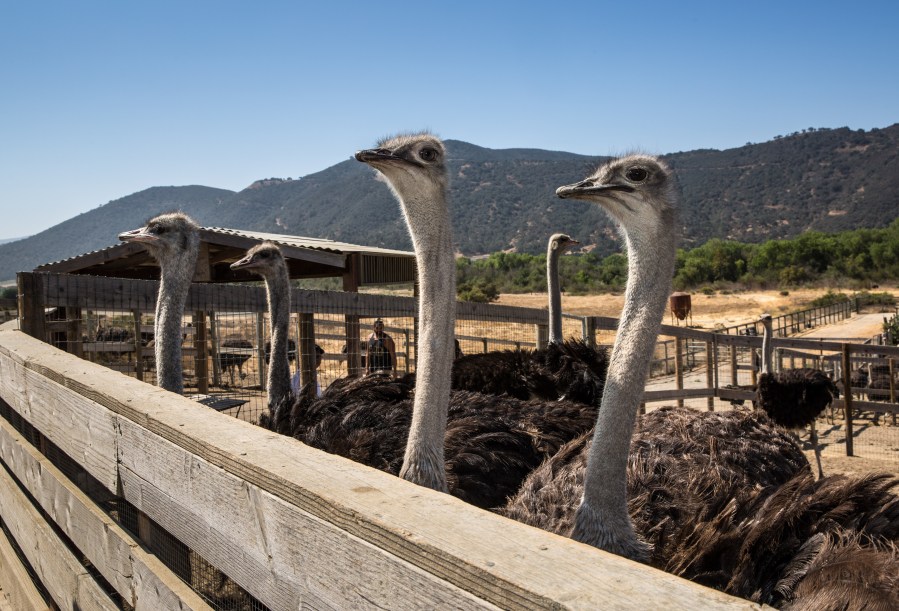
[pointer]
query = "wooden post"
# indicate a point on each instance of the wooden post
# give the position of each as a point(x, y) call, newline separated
point(73, 331)
point(709, 374)
point(542, 335)
point(202, 357)
point(892, 363)
point(665, 347)
point(31, 305)
point(306, 349)
point(352, 329)
point(679, 367)
point(260, 349)
point(847, 400)
point(484, 340)
point(733, 365)
point(351, 322)
point(138, 347)
point(406, 348)
point(589, 331)
point(215, 347)
point(753, 369)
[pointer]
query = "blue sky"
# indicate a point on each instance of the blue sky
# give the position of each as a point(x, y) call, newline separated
point(99, 100)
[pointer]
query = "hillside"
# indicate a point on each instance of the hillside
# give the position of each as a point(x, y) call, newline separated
point(824, 179)
point(98, 228)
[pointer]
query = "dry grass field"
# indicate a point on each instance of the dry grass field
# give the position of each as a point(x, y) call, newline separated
point(709, 311)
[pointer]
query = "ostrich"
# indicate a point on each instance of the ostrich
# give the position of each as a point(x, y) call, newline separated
point(266, 260)
point(793, 398)
point(416, 172)
point(699, 482)
point(558, 244)
point(477, 447)
point(636, 191)
point(173, 239)
point(570, 369)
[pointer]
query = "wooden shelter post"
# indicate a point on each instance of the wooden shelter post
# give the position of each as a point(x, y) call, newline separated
point(31, 305)
point(351, 321)
point(202, 358)
point(306, 349)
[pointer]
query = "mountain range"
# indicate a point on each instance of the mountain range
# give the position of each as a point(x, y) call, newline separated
point(817, 179)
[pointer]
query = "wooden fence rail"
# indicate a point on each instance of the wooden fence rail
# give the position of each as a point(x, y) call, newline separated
point(291, 525)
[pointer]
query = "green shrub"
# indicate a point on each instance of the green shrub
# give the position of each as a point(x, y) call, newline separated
point(480, 291)
point(881, 299)
point(829, 298)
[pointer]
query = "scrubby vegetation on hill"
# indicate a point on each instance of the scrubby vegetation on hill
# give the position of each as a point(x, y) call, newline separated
point(861, 257)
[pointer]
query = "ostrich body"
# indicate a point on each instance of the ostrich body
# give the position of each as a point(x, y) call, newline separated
point(266, 260)
point(558, 244)
point(684, 466)
point(172, 239)
point(793, 398)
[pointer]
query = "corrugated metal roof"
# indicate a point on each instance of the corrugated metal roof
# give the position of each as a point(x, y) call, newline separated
point(306, 242)
point(306, 258)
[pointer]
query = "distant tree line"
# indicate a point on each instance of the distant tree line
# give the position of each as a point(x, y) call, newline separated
point(860, 257)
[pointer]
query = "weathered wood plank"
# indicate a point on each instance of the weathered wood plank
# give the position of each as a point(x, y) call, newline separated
point(135, 574)
point(508, 564)
point(262, 542)
point(79, 429)
point(60, 572)
point(17, 590)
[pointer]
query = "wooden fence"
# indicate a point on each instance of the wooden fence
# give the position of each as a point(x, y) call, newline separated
point(292, 526)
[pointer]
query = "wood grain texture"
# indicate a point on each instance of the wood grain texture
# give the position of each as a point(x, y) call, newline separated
point(138, 576)
point(17, 590)
point(182, 463)
point(67, 581)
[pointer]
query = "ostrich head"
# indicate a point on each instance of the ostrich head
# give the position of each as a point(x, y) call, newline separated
point(561, 242)
point(264, 259)
point(167, 236)
point(636, 191)
point(415, 168)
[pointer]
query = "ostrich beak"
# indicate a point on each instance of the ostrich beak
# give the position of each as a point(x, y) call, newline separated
point(244, 263)
point(586, 188)
point(138, 235)
point(376, 155)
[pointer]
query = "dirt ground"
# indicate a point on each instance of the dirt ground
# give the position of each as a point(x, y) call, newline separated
point(876, 446)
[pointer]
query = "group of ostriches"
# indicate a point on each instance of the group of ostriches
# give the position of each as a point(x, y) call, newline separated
point(548, 436)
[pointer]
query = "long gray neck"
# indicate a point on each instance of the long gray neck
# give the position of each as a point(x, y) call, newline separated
point(651, 266)
point(277, 286)
point(767, 346)
point(555, 295)
point(174, 285)
point(423, 462)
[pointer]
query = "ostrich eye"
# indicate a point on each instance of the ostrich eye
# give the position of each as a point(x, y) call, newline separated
point(265, 254)
point(428, 154)
point(157, 229)
point(636, 174)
